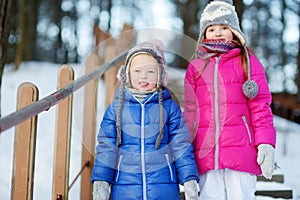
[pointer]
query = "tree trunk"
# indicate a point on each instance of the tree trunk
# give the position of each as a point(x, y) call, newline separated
point(4, 14)
point(31, 30)
point(239, 7)
point(60, 52)
point(298, 62)
point(21, 33)
point(283, 52)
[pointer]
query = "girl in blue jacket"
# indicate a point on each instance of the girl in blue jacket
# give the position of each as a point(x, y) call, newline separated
point(144, 150)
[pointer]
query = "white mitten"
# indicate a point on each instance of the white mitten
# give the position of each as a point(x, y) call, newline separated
point(101, 190)
point(265, 159)
point(190, 190)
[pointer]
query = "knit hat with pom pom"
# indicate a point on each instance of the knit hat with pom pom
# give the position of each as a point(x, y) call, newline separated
point(221, 12)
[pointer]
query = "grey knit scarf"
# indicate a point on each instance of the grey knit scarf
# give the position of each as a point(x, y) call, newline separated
point(138, 94)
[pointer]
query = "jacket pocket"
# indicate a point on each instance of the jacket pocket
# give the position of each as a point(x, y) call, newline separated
point(247, 128)
point(169, 165)
point(118, 168)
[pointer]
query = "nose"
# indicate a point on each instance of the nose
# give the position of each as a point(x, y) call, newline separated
point(143, 74)
point(218, 33)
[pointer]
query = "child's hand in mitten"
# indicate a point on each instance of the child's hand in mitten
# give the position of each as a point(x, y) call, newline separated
point(265, 159)
point(101, 190)
point(190, 190)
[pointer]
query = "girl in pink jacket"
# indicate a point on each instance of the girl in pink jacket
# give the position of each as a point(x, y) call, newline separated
point(227, 108)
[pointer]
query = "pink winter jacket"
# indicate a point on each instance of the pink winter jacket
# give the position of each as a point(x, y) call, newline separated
point(226, 126)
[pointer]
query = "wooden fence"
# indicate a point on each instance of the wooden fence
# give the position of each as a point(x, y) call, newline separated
point(110, 51)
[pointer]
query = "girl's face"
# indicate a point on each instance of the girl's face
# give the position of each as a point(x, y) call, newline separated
point(219, 32)
point(143, 72)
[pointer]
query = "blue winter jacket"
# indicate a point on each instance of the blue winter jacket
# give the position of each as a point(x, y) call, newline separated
point(135, 169)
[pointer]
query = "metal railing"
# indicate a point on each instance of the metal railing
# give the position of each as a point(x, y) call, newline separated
point(51, 100)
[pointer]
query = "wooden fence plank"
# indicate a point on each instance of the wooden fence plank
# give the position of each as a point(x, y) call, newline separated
point(24, 147)
point(89, 129)
point(63, 138)
point(110, 76)
point(100, 40)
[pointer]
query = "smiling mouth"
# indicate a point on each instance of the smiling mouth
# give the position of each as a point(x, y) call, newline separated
point(143, 84)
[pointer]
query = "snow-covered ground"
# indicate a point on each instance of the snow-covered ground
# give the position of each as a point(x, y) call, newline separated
point(44, 75)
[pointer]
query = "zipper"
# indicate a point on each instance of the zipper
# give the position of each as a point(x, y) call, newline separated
point(143, 152)
point(143, 147)
point(248, 129)
point(119, 164)
point(169, 165)
point(217, 125)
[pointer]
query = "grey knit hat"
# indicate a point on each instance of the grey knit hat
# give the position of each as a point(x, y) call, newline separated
point(221, 12)
point(153, 47)
point(156, 49)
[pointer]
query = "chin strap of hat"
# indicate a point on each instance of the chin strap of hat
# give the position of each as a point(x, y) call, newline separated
point(118, 123)
point(161, 118)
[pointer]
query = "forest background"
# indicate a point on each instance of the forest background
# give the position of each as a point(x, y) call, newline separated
point(62, 31)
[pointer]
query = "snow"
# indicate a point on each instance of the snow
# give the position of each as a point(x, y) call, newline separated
point(271, 186)
point(44, 75)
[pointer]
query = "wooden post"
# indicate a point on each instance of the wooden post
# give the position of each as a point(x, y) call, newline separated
point(24, 147)
point(89, 129)
point(127, 39)
point(110, 76)
point(100, 36)
point(63, 138)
